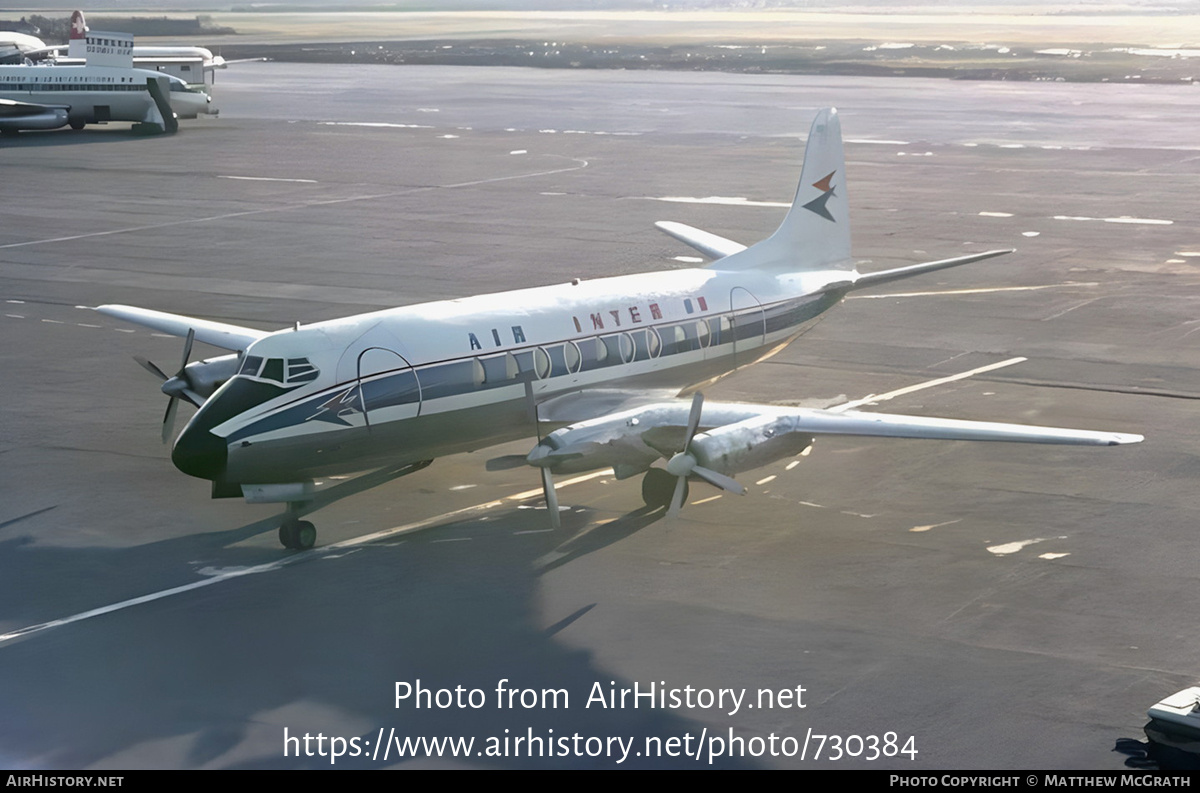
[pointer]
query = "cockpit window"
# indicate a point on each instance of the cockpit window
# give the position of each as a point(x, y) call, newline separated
point(273, 370)
point(250, 365)
point(301, 371)
point(290, 371)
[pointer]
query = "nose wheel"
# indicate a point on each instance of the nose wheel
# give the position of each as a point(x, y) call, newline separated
point(298, 535)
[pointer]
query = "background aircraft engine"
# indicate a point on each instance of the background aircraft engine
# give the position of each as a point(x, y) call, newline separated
point(749, 444)
point(16, 116)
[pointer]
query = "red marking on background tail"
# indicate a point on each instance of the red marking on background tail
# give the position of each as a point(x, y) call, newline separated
point(824, 185)
point(78, 26)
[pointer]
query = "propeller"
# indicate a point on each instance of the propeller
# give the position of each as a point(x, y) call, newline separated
point(551, 496)
point(507, 462)
point(548, 491)
point(176, 387)
point(683, 464)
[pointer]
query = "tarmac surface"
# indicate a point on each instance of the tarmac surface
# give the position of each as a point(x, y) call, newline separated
point(1002, 606)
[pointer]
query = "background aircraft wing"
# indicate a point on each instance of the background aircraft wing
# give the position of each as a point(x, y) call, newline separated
point(218, 334)
point(15, 115)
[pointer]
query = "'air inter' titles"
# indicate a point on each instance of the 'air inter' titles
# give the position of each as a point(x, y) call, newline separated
point(634, 315)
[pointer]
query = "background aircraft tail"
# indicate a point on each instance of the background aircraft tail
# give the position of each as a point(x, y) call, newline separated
point(815, 235)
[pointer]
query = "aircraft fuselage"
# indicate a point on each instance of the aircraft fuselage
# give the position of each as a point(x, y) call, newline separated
point(418, 382)
point(96, 94)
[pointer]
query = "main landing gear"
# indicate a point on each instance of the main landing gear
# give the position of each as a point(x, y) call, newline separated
point(658, 487)
point(298, 535)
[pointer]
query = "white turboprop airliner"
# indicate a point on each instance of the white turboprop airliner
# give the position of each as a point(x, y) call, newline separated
point(391, 390)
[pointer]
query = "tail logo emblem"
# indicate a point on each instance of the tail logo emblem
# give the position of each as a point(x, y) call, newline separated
point(817, 205)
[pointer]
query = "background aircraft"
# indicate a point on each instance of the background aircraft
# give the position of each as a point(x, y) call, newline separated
point(598, 365)
point(101, 86)
point(196, 66)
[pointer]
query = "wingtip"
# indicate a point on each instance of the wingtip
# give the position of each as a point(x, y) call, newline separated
point(1124, 438)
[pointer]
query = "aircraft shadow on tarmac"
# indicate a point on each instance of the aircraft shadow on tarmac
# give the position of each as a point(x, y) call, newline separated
point(211, 677)
point(1151, 756)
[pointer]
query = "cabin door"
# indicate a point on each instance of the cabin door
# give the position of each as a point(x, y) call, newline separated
point(748, 324)
point(388, 387)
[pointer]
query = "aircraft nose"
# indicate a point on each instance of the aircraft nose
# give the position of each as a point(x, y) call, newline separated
point(198, 452)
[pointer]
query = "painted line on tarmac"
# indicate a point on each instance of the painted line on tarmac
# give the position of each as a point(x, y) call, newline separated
point(305, 205)
point(315, 553)
point(868, 400)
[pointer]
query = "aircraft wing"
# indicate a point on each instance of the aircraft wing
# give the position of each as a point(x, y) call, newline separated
point(218, 334)
point(594, 403)
point(718, 440)
point(893, 425)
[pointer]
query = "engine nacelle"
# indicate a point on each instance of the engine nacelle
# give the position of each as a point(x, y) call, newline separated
point(612, 442)
point(202, 378)
point(205, 377)
point(749, 444)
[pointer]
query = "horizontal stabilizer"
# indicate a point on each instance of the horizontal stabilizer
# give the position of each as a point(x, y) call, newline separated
point(895, 274)
point(711, 245)
point(218, 334)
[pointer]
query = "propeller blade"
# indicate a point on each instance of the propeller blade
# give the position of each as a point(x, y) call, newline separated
point(179, 389)
point(506, 462)
point(727, 483)
point(682, 463)
point(677, 497)
point(187, 350)
point(693, 419)
point(151, 368)
point(168, 424)
point(551, 497)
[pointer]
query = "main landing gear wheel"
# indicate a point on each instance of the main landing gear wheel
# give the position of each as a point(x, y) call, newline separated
point(299, 535)
point(658, 487)
point(76, 125)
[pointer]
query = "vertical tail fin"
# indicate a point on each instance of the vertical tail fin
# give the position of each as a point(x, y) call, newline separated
point(815, 235)
point(77, 44)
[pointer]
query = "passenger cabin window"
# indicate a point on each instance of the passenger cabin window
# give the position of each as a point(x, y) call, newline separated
point(626, 347)
point(498, 368)
point(541, 363)
point(573, 356)
point(594, 354)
